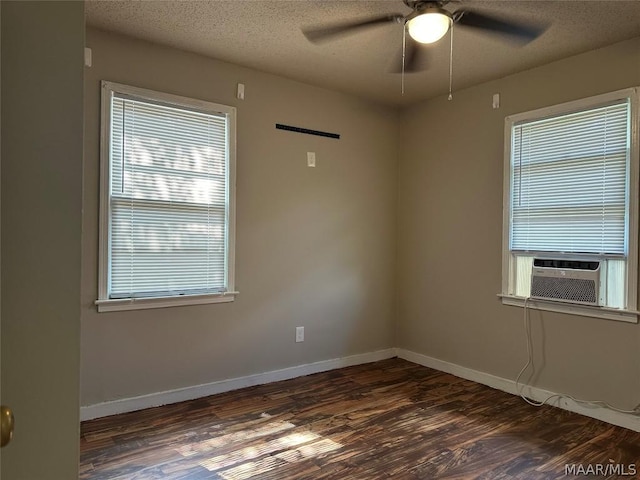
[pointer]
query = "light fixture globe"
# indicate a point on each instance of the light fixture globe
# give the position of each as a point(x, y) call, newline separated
point(430, 25)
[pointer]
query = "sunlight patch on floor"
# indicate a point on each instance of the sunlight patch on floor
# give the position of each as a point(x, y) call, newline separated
point(308, 451)
point(251, 469)
point(250, 453)
point(242, 436)
point(259, 468)
point(256, 460)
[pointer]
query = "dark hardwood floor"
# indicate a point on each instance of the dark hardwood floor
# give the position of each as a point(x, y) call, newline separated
point(385, 419)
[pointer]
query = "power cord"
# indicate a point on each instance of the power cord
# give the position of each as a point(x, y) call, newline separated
point(519, 389)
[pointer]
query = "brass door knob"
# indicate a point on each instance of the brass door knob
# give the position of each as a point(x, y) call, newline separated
point(6, 425)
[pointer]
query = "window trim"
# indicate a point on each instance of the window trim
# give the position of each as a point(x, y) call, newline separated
point(104, 303)
point(630, 314)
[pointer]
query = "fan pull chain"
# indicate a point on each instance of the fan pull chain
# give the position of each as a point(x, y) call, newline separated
point(451, 64)
point(404, 51)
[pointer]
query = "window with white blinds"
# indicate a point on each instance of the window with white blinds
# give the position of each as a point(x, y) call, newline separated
point(569, 182)
point(169, 197)
point(571, 191)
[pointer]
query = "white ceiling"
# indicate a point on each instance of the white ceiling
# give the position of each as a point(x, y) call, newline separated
point(265, 35)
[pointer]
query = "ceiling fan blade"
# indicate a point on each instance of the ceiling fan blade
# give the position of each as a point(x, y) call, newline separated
point(516, 30)
point(416, 57)
point(329, 32)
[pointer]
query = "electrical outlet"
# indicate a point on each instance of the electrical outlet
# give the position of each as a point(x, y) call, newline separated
point(299, 334)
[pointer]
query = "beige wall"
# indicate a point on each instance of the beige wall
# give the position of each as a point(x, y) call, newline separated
point(42, 122)
point(315, 247)
point(450, 236)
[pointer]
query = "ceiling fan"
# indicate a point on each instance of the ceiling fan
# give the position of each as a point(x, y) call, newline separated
point(427, 23)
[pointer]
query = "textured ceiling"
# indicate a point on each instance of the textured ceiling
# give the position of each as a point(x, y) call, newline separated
point(265, 35)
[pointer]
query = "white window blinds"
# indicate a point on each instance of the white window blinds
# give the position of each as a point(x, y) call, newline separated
point(569, 182)
point(168, 200)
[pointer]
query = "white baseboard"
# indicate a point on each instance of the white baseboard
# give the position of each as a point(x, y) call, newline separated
point(606, 415)
point(189, 393)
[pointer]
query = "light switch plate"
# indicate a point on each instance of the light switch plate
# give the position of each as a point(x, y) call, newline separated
point(311, 159)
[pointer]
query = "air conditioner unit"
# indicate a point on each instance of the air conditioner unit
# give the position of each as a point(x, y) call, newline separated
point(564, 280)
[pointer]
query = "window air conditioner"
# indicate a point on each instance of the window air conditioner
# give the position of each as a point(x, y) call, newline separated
point(563, 280)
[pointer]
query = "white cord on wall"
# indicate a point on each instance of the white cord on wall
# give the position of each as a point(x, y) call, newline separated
point(527, 329)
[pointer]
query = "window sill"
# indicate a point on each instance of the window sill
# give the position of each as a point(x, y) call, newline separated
point(112, 305)
point(629, 316)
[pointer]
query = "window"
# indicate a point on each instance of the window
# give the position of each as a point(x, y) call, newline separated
point(571, 191)
point(167, 200)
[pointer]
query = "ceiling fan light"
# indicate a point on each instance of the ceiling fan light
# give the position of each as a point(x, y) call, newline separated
point(429, 27)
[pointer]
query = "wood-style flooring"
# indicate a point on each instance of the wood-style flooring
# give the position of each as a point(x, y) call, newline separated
point(389, 419)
